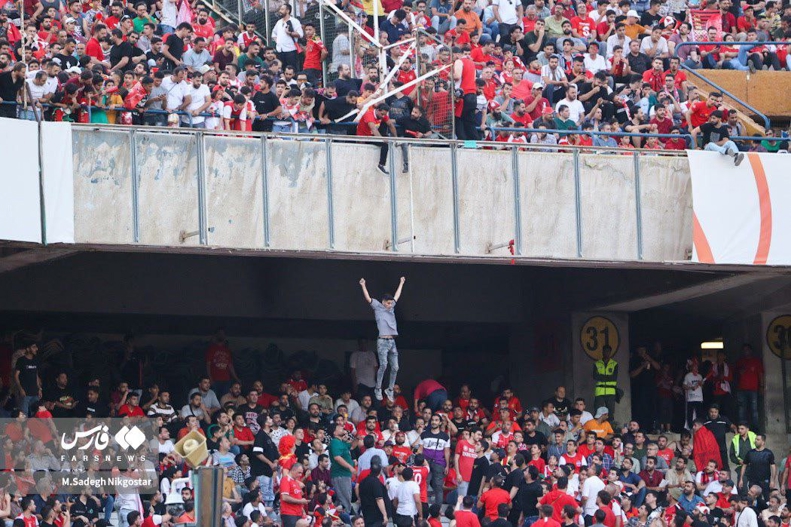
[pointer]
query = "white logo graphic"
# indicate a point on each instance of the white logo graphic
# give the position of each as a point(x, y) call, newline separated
point(130, 437)
point(99, 438)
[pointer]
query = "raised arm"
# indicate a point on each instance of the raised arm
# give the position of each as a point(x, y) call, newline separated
point(365, 290)
point(397, 294)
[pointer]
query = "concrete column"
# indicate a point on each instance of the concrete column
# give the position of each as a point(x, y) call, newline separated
point(589, 332)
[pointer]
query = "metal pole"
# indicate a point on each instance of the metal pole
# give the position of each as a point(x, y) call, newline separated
point(41, 175)
point(239, 12)
point(393, 212)
point(454, 170)
point(323, 33)
point(517, 201)
point(265, 190)
point(135, 186)
point(330, 209)
point(202, 212)
point(577, 201)
point(638, 205)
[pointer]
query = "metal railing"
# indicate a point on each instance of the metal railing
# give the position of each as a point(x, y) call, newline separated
point(398, 233)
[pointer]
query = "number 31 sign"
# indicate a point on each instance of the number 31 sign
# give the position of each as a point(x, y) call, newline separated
point(778, 336)
point(598, 332)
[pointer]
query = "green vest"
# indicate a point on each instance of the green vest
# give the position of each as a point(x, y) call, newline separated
point(736, 439)
point(605, 387)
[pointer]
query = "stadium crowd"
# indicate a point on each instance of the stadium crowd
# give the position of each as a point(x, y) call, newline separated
point(608, 66)
point(303, 453)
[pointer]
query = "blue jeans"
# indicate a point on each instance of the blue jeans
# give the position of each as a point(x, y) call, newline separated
point(639, 497)
point(529, 520)
point(435, 399)
point(283, 128)
point(734, 64)
point(748, 407)
point(728, 149)
point(388, 354)
point(437, 475)
point(267, 492)
point(26, 402)
point(124, 513)
point(109, 508)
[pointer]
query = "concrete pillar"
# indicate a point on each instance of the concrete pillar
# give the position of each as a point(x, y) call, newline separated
point(589, 333)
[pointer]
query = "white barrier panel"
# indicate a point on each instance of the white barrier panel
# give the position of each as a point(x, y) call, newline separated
point(741, 214)
point(58, 176)
point(20, 212)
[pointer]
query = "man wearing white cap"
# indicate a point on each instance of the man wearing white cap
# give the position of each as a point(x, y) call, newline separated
point(599, 424)
point(633, 28)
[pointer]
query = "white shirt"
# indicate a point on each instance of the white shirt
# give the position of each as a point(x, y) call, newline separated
point(364, 365)
point(188, 410)
point(250, 508)
point(170, 13)
point(576, 108)
point(661, 46)
point(405, 494)
point(595, 65)
point(551, 420)
point(285, 42)
point(36, 92)
point(555, 75)
point(694, 395)
point(585, 417)
point(351, 406)
point(590, 489)
point(507, 9)
point(162, 448)
point(613, 41)
point(176, 92)
point(364, 461)
point(747, 518)
point(304, 399)
point(200, 96)
point(392, 485)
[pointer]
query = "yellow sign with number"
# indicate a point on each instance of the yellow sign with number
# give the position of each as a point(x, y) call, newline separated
point(598, 332)
point(778, 336)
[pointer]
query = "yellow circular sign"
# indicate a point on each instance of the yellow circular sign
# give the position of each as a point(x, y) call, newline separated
point(596, 333)
point(778, 336)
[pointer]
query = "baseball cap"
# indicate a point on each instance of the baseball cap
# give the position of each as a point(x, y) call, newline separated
point(602, 410)
point(633, 13)
point(494, 106)
point(534, 409)
point(538, 85)
point(389, 443)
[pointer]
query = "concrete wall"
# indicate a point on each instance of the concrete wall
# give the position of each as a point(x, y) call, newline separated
point(249, 187)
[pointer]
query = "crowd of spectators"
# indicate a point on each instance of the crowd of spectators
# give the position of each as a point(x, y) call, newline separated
point(303, 453)
point(609, 66)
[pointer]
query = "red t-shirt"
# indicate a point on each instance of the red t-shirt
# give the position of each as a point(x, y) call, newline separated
point(584, 26)
point(466, 519)
point(94, 49)
point(558, 499)
point(243, 434)
point(420, 476)
point(219, 359)
point(363, 128)
point(293, 488)
point(609, 517)
point(750, 371)
point(127, 410)
point(313, 51)
point(402, 453)
point(407, 77)
point(428, 386)
point(466, 452)
point(575, 461)
point(477, 55)
point(492, 498)
point(32, 521)
point(700, 115)
point(655, 78)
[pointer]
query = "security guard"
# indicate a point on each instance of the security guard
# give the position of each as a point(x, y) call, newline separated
point(743, 441)
point(605, 373)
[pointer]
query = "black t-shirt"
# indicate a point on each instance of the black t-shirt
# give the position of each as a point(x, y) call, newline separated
point(264, 103)
point(713, 134)
point(538, 439)
point(90, 510)
point(46, 524)
point(527, 497)
point(719, 427)
point(400, 107)
point(27, 368)
point(66, 61)
point(649, 20)
point(500, 522)
point(532, 38)
point(338, 107)
point(494, 469)
point(118, 52)
point(97, 409)
point(263, 444)
point(479, 469)
point(175, 47)
point(514, 479)
point(422, 125)
point(639, 63)
point(344, 86)
point(60, 395)
point(563, 406)
point(759, 465)
point(371, 490)
point(8, 91)
point(604, 94)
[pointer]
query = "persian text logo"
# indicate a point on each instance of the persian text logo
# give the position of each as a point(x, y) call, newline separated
point(99, 438)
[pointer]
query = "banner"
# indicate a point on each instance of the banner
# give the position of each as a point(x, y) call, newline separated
point(20, 213)
point(741, 214)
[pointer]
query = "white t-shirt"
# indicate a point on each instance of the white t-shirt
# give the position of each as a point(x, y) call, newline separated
point(576, 109)
point(392, 485)
point(406, 498)
point(694, 395)
point(170, 13)
point(176, 92)
point(199, 96)
point(595, 65)
point(283, 41)
point(36, 92)
point(364, 365)
point(351, 406)
point(250, 508)
point(507, 10)
point(661, 45)
point(590, 489)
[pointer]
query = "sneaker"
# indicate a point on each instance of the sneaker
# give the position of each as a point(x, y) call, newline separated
point(738, 158)
point(378, 392)
point(383, 170)
point(390, 395)
point(751, 66)
point(406, 168)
